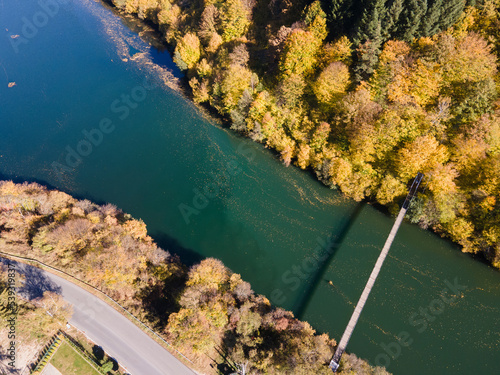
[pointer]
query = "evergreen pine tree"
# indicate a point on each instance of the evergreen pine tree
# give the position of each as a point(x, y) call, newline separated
point(367, 58)
point(451, 11)
point(370, 25)
point(410, 19)
point(430, 25)
point(369, 39)
point(391, 18)
point(340, 16)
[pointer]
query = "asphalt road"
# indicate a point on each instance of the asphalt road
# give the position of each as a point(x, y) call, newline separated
point(119, 337)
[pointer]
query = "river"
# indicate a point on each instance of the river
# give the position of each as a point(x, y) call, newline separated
point(88, 113)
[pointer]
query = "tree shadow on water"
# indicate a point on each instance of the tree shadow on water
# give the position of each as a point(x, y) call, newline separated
point(62, 187)
point(161, 299)
point(337, 239)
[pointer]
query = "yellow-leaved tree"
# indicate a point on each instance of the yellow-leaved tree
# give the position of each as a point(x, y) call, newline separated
point(332, 83)
point(188, 49)
point(419, 156)
point(234, 17)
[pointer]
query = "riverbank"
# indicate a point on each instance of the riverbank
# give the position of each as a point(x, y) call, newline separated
point(206, 312)
point(346, 138)
point(265, 222)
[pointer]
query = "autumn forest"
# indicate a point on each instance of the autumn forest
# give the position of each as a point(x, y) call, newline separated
point(207, 312)
point(364, 93)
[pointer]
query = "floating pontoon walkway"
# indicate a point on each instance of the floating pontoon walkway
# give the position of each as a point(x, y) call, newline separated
point(334, 363)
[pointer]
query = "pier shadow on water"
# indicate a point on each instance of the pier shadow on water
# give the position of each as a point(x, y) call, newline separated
point(336, 240)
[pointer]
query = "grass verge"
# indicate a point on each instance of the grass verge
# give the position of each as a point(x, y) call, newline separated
point(69, 362)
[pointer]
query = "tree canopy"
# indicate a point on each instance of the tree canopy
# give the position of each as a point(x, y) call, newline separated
point(364, 92)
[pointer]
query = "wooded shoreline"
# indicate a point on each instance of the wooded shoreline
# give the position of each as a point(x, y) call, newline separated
point(206, 311)
point(364, 122)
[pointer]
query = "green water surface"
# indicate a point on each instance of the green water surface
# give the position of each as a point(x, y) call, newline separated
point(265, 221)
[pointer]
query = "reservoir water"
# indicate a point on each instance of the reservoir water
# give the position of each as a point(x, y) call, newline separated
point(87, 112)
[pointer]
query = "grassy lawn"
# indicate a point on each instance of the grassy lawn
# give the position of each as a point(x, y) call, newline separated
point(69, 362)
